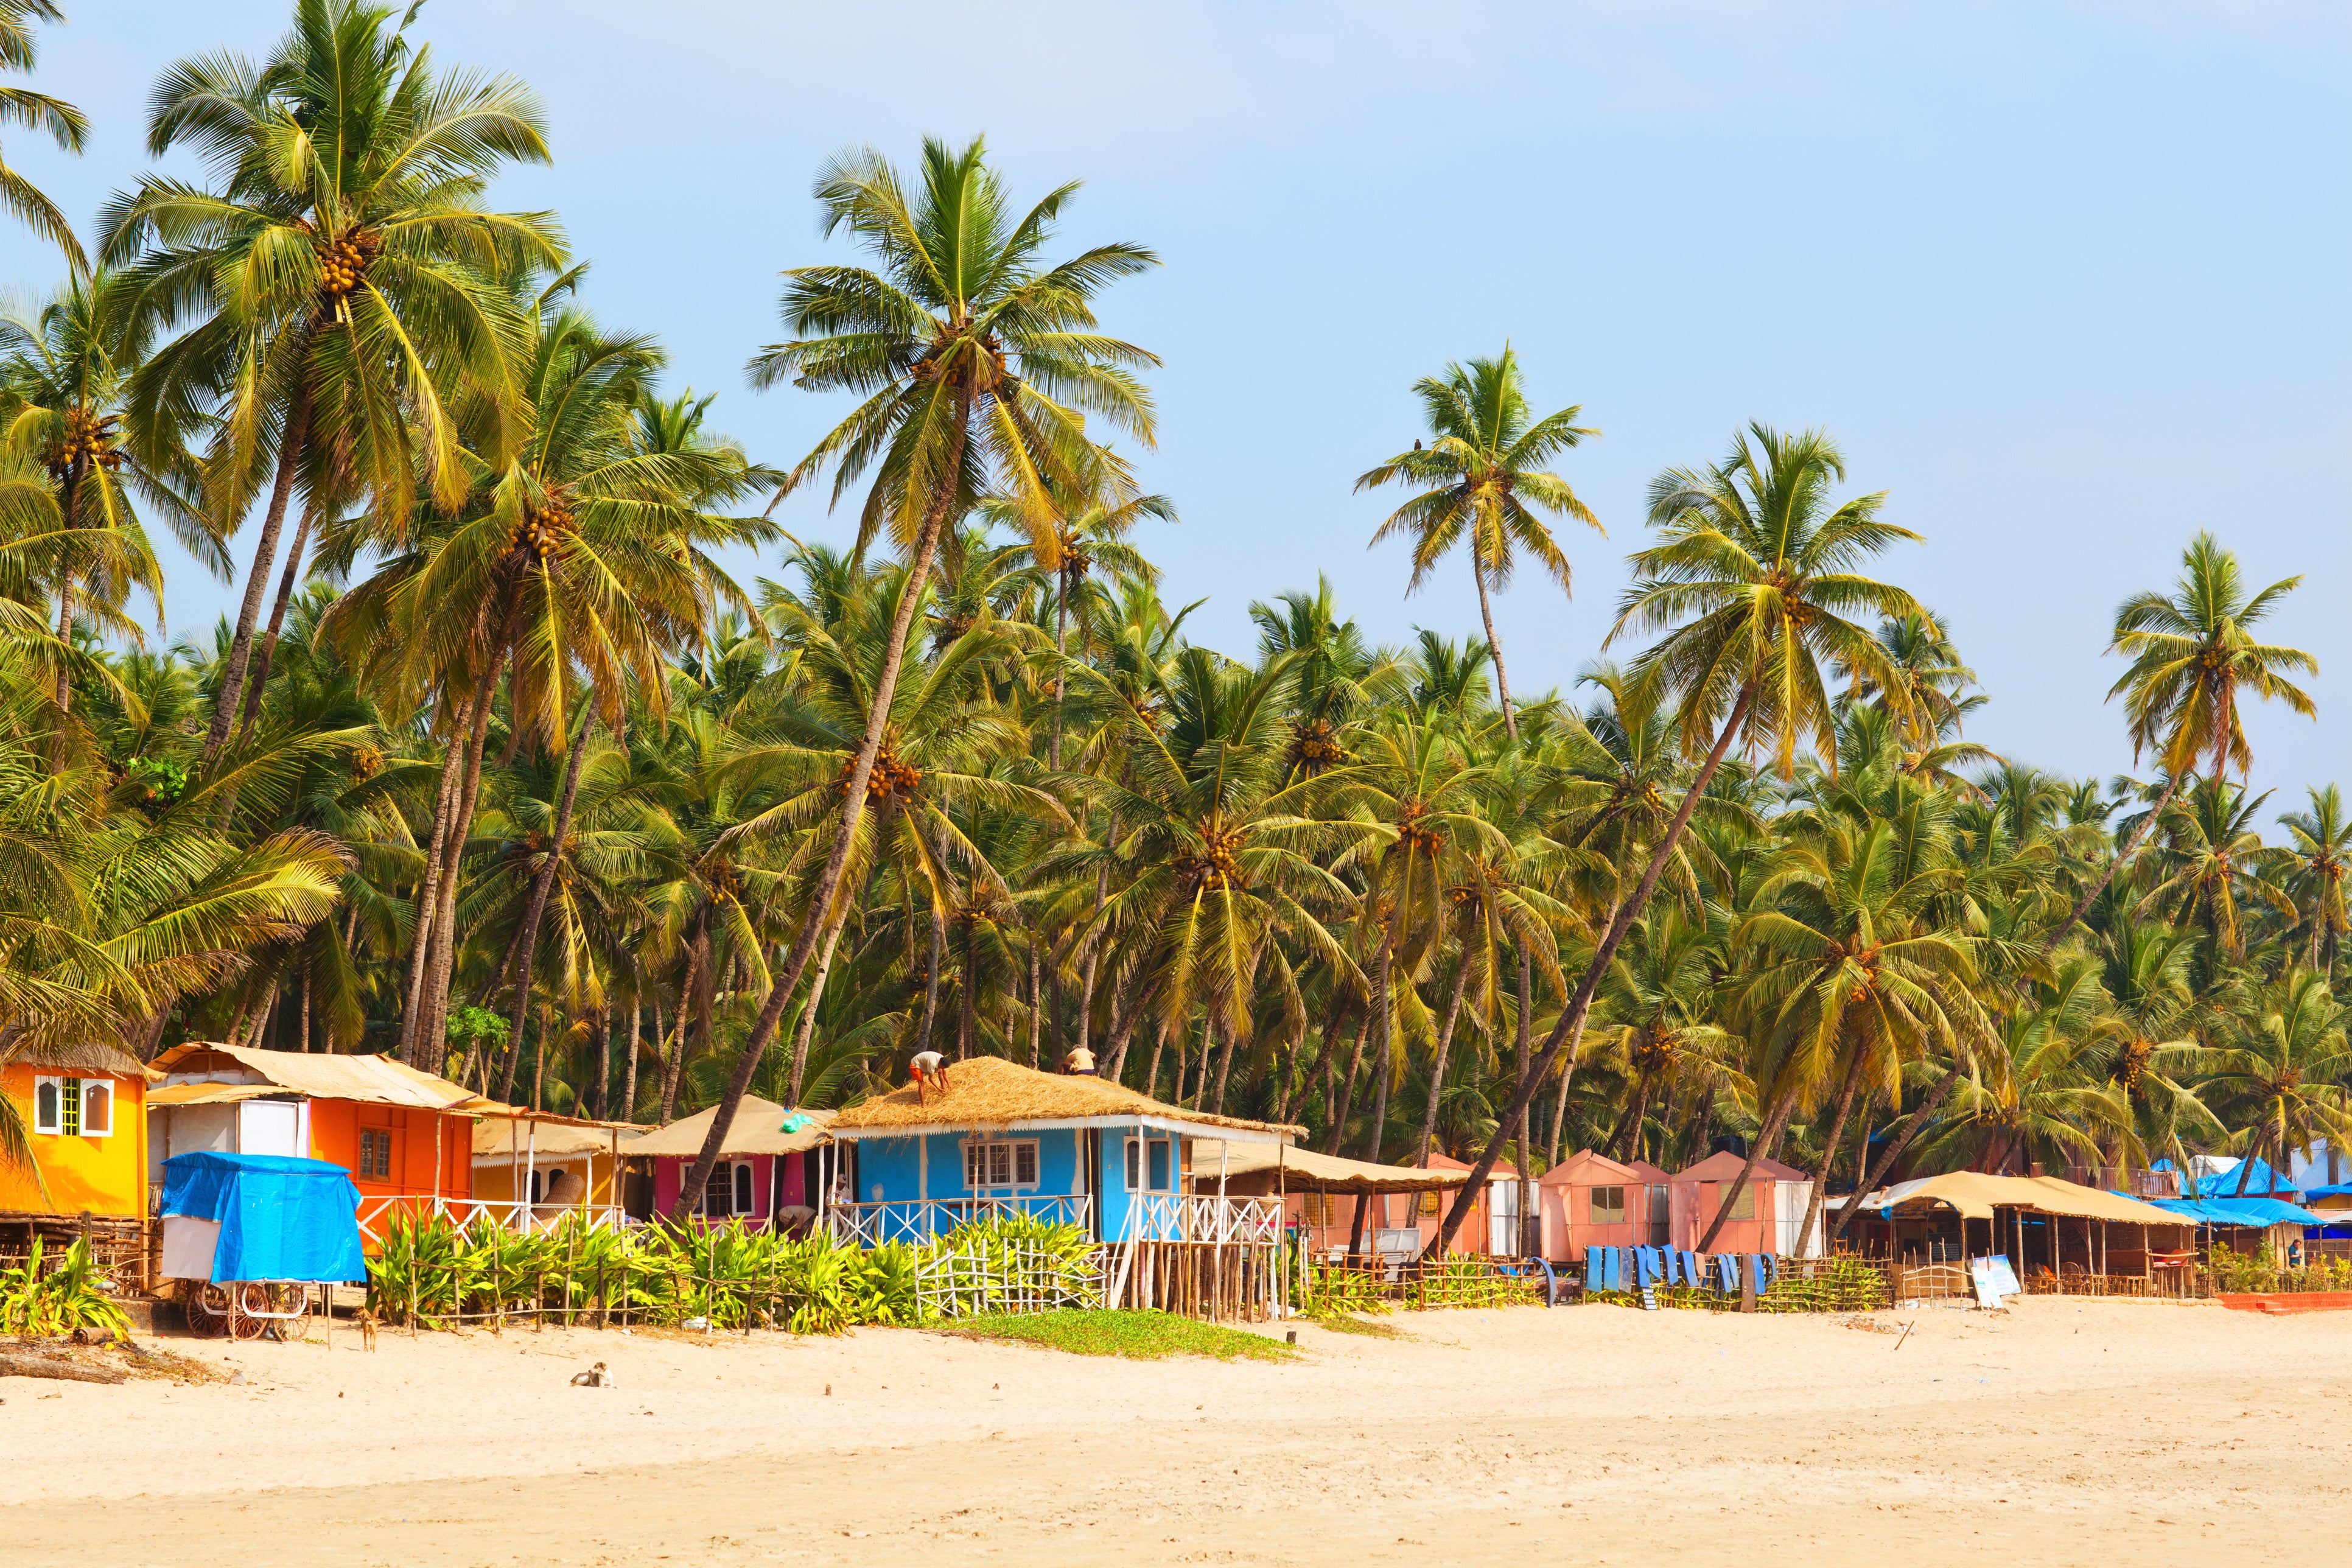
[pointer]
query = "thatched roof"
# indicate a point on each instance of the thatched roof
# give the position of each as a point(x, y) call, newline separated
point(1258, 1168)
point(370, 1080)
point(81, 1056)
point(758, 1129)
point(504, 1137)
point(991, 1093)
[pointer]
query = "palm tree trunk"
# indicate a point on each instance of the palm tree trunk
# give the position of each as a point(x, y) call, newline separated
point(1437, 1069)
point(1347, 1095)
point(1037, 1004)
point(65, 630)
point(1225, 1069)
point(545, 880)
point(1896, 1145)
point(602, 1034)
point(807, 1030)
point(2122, 855)
point(853, 804)
point(439, 974)
point(267, 651)
point(673, 1065)
point(1061, 608)
point(629, 1077)
point(1495, 648)
point(932, 974)
point(965, 1010)
point(1384, 1003)
point(265, 555)
point(1829, 1151)
point(1767, 1137)
point(428, 888)
point(1569, 1030)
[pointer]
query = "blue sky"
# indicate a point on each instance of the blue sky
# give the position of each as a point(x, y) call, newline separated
point(2068, 280)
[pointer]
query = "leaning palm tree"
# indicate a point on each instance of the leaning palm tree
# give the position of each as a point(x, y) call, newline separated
point(979, 365)
point(37, 111)
point(2192, 655)
point(341, 273)
point(1482, 477)
point(1755, 585)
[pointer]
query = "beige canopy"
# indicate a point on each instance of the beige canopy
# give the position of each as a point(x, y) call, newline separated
point(1304, 1171)
point(370, 1080)
point(757, 1129)
point(504, 1136)
point(1975, 1196)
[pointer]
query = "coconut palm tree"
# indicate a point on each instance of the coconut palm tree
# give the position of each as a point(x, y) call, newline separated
point(979, 365)
point(2192, 654)
point(1754, 584)
point(2318, 858)
point(341, 272)
point(2281, 1074)
point(1482, 479)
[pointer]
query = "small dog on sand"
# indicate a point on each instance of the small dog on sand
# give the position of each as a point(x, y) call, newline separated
point(594, 1377)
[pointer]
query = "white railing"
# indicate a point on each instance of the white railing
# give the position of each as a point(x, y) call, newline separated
point(917, 1221)
point(376, 1214)
point(1204, 1217)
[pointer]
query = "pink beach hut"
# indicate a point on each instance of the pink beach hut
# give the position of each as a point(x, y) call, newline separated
point(775, 1163)
point(1765, 1217)
point(1590, 1200)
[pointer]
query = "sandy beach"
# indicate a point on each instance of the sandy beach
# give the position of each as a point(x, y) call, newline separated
point(2065, 1432)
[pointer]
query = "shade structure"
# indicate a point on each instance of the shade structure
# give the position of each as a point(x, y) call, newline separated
point(1974, 1195)
point(1250, 1168)
point(370, 1081)
point(552, 1136)
point(758, 1129)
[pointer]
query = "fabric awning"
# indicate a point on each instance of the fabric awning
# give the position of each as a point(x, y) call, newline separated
point(2256, 1213)
point(495, 1138)
point(1304, 1171)
point(210, 1093)
point(1974, 1195)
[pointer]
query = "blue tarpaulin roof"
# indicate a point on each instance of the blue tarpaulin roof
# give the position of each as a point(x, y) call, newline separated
point(2260, 1179)
point(2340, 1189)
point(280, 1217)
point(2241, 1211)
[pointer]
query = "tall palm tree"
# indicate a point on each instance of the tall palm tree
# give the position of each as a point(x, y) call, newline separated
point(2192, 654)
point(1482, 478)
point(1754, 583)
point(2281, 1076)
point(37, 111)
point(978, 365)
point(341, 272)
point(2319, 858)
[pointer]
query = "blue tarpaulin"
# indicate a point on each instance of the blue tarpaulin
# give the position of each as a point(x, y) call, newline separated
point(2258, 1211)
point(2259, 1180)
point(279, 1217)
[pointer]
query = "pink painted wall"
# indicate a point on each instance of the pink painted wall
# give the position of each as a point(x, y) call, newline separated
point(1695, 1194)
point(1565, 1196)
point(668, 1172)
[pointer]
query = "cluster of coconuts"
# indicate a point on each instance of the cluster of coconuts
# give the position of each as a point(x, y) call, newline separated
point(541, 528)
point(88, 438)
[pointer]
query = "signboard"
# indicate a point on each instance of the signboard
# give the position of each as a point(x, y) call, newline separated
point(1993, 1280)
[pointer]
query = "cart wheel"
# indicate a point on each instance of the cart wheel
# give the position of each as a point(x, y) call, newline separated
point(295, 1301)
point(208, 1311)
point(252, 1298)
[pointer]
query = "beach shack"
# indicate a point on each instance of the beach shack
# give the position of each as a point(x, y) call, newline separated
point(1765, 1216)
point(1590, 1200)
point(406, 1137)
point(2059, 1236)
point(551, 1165)
point(776, 1162)
point(1339, 1208)
point(1001, 1141)
point(83, 1112)
point(1495, 1226)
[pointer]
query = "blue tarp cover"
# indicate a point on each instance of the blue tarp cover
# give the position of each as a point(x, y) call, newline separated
point(2260, 1179)
point(280, 1217)
point(2241, 1211)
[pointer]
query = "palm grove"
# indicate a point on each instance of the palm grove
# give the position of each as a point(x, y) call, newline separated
point(497, 770)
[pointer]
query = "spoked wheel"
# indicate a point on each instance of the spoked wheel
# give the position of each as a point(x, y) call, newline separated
point(208, 1311)
point(294, 1301)
point(252, 1300)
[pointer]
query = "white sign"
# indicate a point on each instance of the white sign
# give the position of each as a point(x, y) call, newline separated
point(1993, 1280)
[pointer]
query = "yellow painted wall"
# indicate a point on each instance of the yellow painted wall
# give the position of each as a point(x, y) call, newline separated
point(93, 1176)
point(494, 1181)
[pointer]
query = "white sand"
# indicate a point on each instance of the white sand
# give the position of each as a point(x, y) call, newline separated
point(2066, 1433)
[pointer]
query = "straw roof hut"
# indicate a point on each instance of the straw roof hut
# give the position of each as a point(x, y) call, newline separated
point(989, 1093)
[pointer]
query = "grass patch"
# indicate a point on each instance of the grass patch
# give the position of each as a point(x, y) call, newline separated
point(1342, 1324)
point(1137, 1336)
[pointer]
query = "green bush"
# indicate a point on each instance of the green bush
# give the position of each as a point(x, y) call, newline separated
point(35, 1305)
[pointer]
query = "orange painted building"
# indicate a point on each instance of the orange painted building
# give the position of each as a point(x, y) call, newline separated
point(406, 1137)
point(85, 1122)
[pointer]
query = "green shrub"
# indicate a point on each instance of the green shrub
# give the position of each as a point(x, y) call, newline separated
point(38, 1305)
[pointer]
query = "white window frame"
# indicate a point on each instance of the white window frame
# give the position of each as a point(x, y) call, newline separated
point(739, 1175)
point(106, 1086)
point(1138, 1169)
point(54, 1126)
point(976, 1158)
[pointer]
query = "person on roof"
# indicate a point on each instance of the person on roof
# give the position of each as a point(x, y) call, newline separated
point(1079, 1061)
point(930, 1070)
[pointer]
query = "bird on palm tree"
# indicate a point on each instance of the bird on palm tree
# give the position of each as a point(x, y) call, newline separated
point(2193, 653)
point(979, 365)
point(1483, 481)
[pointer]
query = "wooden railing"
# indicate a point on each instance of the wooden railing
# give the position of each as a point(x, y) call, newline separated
point(1202, 1217)
point(376, 1214)
point(916, 1221)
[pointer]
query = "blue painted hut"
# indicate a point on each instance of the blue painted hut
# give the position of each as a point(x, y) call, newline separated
point(1003, 1140)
